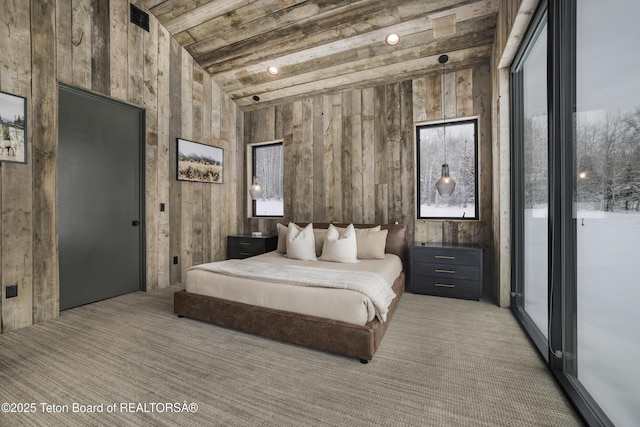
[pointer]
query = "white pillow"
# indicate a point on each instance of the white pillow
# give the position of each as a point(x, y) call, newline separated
point(301, 243)
point(318, 235)
point(340, 248)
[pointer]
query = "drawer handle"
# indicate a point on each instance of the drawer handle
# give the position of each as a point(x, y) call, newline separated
point(445, 285)
point(445, 271)
point(444, 257)
point(244, 253)
point(245, 243)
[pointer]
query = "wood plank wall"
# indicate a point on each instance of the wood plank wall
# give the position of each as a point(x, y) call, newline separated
point(90, 44)
point(513, 19)
point(350, 157)
point(16, 180)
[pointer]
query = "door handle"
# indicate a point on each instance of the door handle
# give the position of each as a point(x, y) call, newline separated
point(135, 223)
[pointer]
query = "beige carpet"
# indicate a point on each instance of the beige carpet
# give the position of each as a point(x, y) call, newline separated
point(443, 362)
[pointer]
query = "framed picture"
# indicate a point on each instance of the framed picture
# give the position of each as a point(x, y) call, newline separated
point(199, 162)
point(13, 128)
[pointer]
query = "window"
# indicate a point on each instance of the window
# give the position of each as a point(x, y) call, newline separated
point(454, 144)
point(266, 167)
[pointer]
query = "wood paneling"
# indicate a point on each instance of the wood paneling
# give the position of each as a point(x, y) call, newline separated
point(206, 138)
point(90, 44)
point(367, 155)
point(186, 204)
point(81, 43)
point(164, 174)
point(324, 47)
point(318, 158)
point(407, 157)
point(100, 79)
point(118, 51)
point(44, 99)
point(16, 258)
point(218, 221)
point(393, 152)
point(236, 154)
point(175, 188)
point(380, 149)
point(63, 37)
point(150, 100)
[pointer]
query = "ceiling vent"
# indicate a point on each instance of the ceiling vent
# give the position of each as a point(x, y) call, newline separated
point(140, 18)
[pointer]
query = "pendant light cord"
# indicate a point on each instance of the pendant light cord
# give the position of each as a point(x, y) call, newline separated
point(444, 112)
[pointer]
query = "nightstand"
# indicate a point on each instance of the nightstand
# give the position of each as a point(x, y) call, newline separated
point(246, 246)
point(447, 270)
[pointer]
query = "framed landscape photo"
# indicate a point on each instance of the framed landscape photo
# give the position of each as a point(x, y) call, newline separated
point(13, 128)
point(199, 162)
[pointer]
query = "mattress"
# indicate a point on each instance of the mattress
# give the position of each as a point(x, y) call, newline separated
point(337, 304)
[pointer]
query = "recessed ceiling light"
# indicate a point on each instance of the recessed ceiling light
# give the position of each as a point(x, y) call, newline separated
point(273, 70)
point(392, 39)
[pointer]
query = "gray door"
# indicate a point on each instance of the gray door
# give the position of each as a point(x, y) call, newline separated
point(99, 188)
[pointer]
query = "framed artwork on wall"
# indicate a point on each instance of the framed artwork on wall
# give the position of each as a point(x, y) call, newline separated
point(199, 162)
point(13, 128)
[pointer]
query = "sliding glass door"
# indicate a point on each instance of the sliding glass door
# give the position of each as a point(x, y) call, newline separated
point(606, 156)
point(531, 198)
point(576, 201)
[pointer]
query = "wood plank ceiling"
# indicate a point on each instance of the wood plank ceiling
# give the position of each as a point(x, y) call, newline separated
point(324, 46)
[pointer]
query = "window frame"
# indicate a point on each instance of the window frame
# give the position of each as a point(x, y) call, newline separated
point(448, 123)
point(251, 167)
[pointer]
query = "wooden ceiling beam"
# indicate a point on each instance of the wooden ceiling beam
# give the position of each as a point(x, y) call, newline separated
point(215, 27)
point(171, 9)
point(337, 32)
point(461, 59)
point(471, 33)
point(356, 62)
point(294, 25)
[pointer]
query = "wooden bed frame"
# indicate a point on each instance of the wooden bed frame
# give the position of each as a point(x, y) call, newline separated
point(334, 336)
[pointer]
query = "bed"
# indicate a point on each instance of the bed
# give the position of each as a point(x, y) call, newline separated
point(357, 337)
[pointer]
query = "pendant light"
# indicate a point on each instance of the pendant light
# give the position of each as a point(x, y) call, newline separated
point(445, 185)
point(255, 190)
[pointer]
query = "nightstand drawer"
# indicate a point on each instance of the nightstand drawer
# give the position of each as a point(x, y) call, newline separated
point(454, 271)
point(239, 247)
point(245, 243)
point(466, 289)
point(239, 253)
point(446, 256)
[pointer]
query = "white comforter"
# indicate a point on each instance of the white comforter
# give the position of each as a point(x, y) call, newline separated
point(370, 284)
